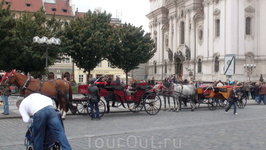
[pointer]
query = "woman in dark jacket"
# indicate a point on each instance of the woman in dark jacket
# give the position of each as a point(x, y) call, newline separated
point(232, 99)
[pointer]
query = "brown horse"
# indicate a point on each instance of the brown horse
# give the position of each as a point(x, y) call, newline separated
point(59, 90)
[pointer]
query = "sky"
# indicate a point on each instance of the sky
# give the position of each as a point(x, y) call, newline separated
point(129, 11)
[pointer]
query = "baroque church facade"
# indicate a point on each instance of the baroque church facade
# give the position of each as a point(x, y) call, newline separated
point(208, 40)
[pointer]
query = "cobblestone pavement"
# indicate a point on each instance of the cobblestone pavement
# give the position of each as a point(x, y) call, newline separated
point(201, 129)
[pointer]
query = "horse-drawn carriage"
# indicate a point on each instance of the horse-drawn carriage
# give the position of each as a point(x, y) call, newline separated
point(217, 96)
point(135, 102)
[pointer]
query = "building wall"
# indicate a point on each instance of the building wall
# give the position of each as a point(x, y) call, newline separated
point(200, 16)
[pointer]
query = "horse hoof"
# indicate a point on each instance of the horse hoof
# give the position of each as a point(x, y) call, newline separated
point(63, 118)
point(192, 109)
point(164, 110)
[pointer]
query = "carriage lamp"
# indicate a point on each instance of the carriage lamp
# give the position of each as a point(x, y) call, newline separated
point(249, 68)
point(44, 41)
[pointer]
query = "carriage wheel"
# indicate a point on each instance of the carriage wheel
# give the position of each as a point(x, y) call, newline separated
point(82, 107)
point(221, 103)
point(241, 103)
point(56, 146)
point(73, 110)
point(212, 103)
point(135, 107)
point(102, 108)
point(152, 103)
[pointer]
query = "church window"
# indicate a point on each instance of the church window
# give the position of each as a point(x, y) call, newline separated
point(216, 64)
point(199, 66)
point(200, 34)
point(217, 28)
point(182, 34)
point(248, 26)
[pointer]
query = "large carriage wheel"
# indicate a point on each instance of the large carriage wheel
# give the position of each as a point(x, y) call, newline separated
point(73, 109)
point(102, 108)
point(82, 107)
point(221, 103)
point(241, 103)
point(152, 103)
point(135, 106)
point(212, 103)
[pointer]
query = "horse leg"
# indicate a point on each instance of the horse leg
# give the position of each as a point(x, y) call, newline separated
point(169, 103)
point(179, 104)
point(108, 106)
point(174, 109)
point(164, 98)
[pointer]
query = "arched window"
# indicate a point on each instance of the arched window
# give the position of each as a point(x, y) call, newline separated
point(216, 64)
point(182, 33)
point(165, 67)
point(248, 26)
point(155, 68)
point(199, 66)
point(217, 28)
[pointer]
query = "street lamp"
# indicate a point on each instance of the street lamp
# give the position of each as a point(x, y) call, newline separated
point(249, 68)
point(44, 41)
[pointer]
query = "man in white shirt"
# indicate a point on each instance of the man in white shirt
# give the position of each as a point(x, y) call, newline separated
point(44, 115)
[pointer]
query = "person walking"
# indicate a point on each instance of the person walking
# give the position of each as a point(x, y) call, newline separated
point(4, 92)
point(256, 92)
point(232, 99)
point(44, 115)
point(262, 93)
point(94, 100)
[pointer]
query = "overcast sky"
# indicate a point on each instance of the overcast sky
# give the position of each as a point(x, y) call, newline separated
point(130, 11)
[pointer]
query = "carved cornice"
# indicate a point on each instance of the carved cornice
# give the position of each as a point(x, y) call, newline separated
point(250, 9)
point(216, 12)
point(216, 55)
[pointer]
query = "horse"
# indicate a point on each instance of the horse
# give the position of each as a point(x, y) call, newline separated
point(167, 91)
point(187, 91)
point(59, 90)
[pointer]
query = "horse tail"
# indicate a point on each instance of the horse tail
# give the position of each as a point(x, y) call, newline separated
point(70, 97)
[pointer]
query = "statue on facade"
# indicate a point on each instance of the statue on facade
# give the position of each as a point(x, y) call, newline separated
point(170, 54)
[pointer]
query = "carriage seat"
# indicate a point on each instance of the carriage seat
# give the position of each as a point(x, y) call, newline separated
point(167, 85)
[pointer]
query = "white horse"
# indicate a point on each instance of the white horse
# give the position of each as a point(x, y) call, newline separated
point(167, 91)
point(187, 91)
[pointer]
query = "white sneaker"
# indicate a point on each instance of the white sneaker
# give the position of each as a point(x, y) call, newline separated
point(235, 113)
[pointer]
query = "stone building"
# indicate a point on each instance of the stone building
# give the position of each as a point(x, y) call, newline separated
point(208, 39)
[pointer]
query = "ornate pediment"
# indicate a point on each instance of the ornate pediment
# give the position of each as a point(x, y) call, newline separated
point(199, 16)
point(250, 9)
point(216, 12)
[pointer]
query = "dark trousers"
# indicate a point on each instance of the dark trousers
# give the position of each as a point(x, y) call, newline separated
point(94, 105)
point(230, 104)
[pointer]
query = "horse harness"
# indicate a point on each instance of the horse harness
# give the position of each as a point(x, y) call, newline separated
point(181, 92)
point(27, 82)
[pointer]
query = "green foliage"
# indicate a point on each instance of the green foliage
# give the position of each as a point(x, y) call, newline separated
point(89, 39)
point(7, 35)
point(134, 48)
point(19, 51)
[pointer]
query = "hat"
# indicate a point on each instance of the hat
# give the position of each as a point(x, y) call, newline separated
point(92, 81)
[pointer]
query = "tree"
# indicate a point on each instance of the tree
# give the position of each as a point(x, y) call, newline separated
point(134, 48)
point(89, 39)
point(7, 36)
point(24, 54)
